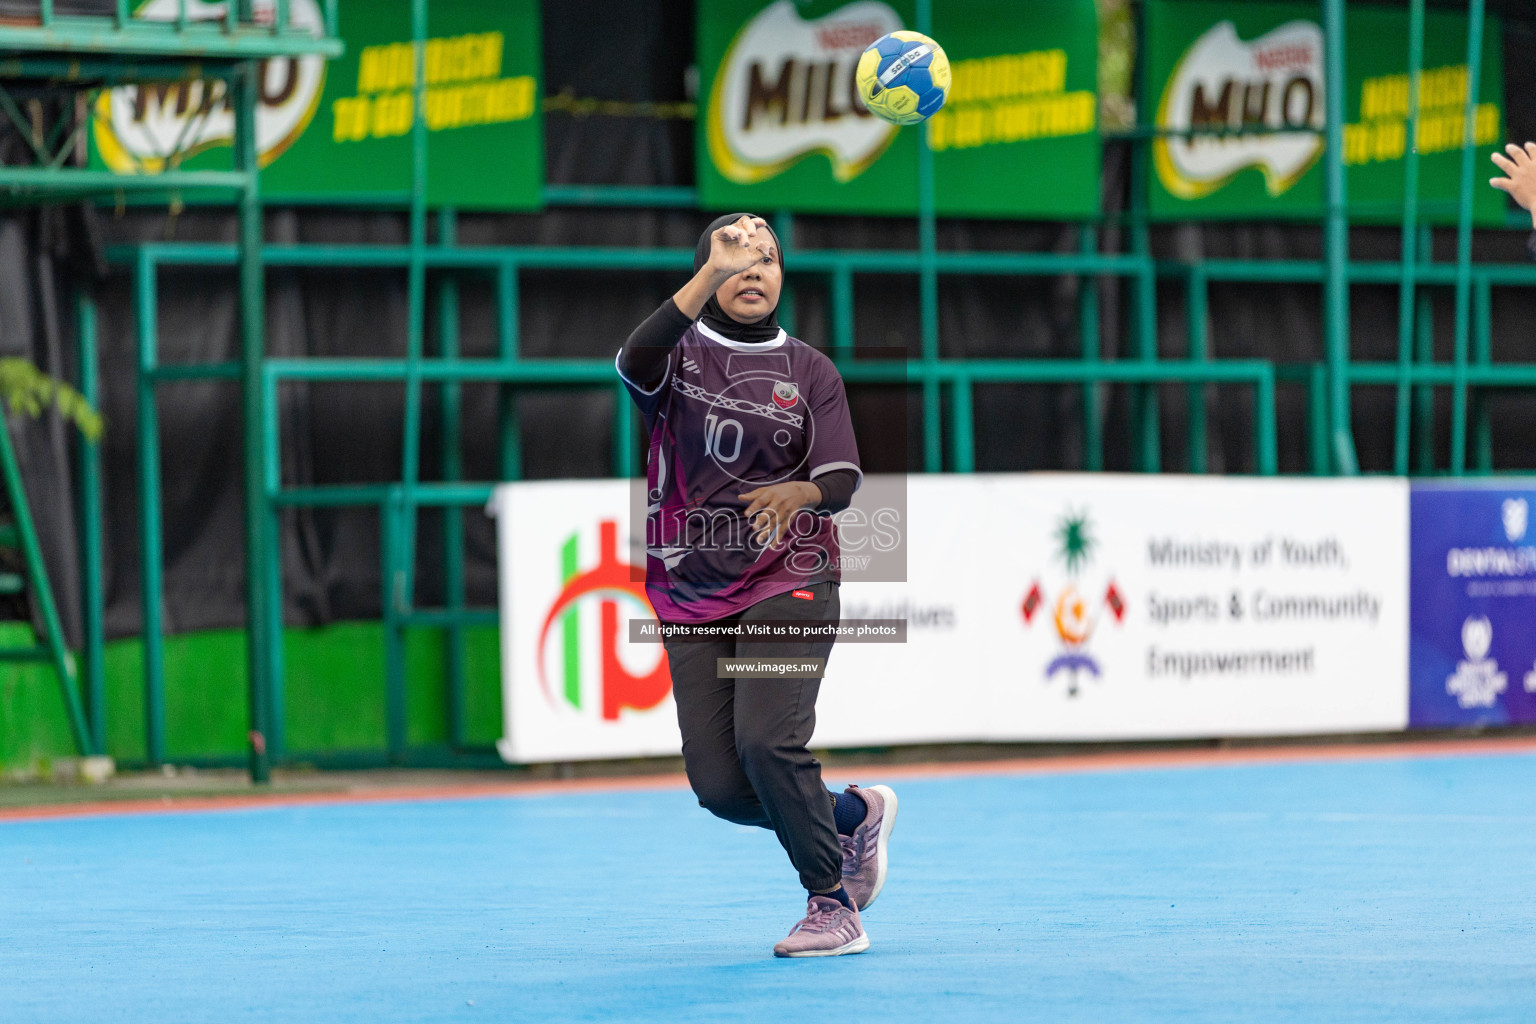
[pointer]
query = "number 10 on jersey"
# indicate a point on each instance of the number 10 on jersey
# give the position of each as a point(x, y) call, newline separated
point(714, 438)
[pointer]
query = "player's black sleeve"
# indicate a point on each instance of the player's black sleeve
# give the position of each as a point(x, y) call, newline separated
point(643, 359)
point(836, 490)
point(1530, 245)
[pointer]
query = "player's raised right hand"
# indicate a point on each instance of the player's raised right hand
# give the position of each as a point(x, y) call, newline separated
point(1520, 170)
point(738, 245)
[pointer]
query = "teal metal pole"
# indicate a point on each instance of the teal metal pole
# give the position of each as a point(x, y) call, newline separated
point(1088, 333)
point(928, 282)
point(842, 313)
point(263, 635)
point(507, 427)
point(1482, 354)
point(396, 606)
point(1464, 240)
point(1146, 425)
point(1407, 290)
point(453, 471)
point(1424, 394)
point(1336, 247)
point(1265, 437)
point(963, 433)
point(272, 585)
point(42, 591)
point(401, 582)
point(784, 227)
point(92, 589)
point(1424, 355)
point(1317, 419)
point(416, 292)
point(272, 470)
point(623, 433)
point(150, 557)
point(1197, 305)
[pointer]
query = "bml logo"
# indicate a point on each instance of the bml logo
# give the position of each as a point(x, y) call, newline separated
point(608, 584)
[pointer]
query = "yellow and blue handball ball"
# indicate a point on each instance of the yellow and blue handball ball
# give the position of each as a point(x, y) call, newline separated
point(903, 77)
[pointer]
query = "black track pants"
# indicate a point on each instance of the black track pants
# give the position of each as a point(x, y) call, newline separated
point(744, 739)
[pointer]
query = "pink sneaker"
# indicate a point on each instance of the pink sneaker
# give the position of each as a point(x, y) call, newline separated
point(864, 852)
point(828, 929)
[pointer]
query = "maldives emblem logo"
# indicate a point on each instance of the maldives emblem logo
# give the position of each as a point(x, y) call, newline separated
point(785, 394)
point(582, 670)
point(1074, 613)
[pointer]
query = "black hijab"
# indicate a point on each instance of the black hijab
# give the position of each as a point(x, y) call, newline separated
point(717, 319)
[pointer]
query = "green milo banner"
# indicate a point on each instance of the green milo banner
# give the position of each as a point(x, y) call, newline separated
point(1216, 64)
point(780, 124)
point(342, 130)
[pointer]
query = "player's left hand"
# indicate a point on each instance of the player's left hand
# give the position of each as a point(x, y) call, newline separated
point(772, 507)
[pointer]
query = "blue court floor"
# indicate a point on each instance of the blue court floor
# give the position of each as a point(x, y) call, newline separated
point(1394, 890)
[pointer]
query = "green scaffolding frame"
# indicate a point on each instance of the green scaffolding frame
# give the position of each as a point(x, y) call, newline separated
point(946, 445)
point(74, 52)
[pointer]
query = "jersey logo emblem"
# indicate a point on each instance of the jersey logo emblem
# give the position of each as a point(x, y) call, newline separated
point(690, 365)
point(785, 394)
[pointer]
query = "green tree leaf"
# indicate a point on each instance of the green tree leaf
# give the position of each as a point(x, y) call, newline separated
point(25, 388)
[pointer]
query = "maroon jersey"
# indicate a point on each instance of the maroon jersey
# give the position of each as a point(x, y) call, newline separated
point(727, 417)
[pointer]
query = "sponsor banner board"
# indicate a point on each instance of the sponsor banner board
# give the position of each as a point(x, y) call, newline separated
point(571, 575)
point(1218, 65)
point(1081, 607)
point(1472, 645)
point(781, 127)
point(342, 129)
point(1038, 607)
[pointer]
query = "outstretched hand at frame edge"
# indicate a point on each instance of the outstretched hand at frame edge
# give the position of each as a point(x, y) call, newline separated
point(1519, 179)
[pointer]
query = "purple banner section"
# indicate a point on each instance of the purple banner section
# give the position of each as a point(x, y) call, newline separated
point(1472, 615)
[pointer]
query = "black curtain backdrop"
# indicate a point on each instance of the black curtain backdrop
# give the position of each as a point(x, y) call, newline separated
point(354, 432)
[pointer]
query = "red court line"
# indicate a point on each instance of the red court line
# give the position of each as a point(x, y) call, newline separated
point(1112, 761)
point(383, 794)
point(1132, 760)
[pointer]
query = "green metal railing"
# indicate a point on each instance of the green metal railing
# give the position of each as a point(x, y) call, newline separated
point(948, 442)
point(236, 36)
point(80, 54)
point(86, 53)
point(20, 534)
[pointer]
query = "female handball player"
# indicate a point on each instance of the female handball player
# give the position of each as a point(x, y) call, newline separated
point(751, 452)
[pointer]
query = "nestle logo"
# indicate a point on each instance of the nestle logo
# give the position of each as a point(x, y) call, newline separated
point(850, 36)
point(1280, 58)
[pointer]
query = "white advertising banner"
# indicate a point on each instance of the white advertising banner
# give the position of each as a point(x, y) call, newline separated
point(572, 685)
point(1038, 607)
